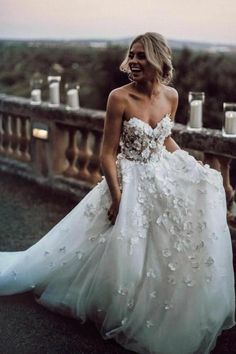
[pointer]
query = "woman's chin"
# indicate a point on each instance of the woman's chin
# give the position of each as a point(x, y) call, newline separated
point(137, 78)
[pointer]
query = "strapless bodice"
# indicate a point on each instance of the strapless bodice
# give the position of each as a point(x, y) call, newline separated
point(140, 142)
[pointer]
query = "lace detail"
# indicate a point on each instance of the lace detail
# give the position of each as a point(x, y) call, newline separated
point(140, 142)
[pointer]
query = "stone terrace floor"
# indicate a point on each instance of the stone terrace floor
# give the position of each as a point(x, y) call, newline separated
point(27, 212)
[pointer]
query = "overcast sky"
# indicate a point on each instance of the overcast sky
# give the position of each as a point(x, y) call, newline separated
point(197, 20)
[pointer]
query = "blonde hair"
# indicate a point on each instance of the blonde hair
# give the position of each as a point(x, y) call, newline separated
point(158, 54)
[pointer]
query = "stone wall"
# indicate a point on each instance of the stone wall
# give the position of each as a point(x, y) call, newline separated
point(67, 157)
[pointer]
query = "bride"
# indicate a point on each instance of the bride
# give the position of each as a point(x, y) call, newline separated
point(147, 253)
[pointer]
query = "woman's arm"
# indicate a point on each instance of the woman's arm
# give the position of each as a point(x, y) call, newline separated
point(111, 137)
point(170, 144)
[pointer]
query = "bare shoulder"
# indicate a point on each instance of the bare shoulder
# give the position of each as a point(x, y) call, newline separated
point(171, 93)
point(173, 97)
point(116, 104)
point(119, 94)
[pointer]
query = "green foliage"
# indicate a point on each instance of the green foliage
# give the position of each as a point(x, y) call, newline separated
point(97, 71)
point(214, 74)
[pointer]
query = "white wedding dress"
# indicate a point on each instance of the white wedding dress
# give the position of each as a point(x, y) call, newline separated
point(160, 280)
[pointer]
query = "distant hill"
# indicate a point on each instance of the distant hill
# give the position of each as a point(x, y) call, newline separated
point(124, 42)
point(180, 44)
point(95, 65)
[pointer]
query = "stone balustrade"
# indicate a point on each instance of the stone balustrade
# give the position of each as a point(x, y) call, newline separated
point(67, 158)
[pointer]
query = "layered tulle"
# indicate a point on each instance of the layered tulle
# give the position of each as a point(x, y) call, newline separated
point(159, 281)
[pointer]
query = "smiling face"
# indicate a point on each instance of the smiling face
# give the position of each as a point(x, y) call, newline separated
point(140, 68)
point(148, 59)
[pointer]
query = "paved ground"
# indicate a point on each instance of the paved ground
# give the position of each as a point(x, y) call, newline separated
point(26, 213)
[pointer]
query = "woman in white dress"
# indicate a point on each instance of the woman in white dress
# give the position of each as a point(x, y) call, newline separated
point(147, 253)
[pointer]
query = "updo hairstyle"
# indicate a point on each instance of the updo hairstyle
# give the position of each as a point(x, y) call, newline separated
point(158, 54)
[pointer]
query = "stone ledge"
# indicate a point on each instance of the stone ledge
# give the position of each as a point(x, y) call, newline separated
point(85, 118)
point(73, 189)
point(206, 140)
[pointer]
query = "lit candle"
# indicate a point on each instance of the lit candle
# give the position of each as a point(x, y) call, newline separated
point(72, 99)
point(195, 114)
point(36, 96)
point(40, 133)
point(230, 122)
point(54, 93)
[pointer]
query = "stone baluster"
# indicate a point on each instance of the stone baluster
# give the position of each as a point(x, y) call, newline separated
point(84, 156)
point(94, 165)
point(7, 135)
point(72, 153)
point(24, 139)
point(212, 160)
point(1, 134)
point(15, 124)
point(222, 164)
point(225, 171)
point(59, 144)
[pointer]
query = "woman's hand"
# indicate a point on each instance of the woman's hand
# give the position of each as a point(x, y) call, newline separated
point(113, 210)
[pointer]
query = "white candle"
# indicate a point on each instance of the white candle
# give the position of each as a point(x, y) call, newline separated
point(73, 99)
point(230, 122)
point(54, 93)
point(36, 96)
point(195, 114)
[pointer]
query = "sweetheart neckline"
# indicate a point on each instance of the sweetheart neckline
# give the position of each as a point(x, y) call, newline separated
point(167, 115)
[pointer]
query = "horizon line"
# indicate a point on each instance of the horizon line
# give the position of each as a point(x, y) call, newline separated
point(104, 39)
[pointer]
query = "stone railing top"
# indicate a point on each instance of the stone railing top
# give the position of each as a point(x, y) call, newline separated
point(83, 117)
point(206, 140)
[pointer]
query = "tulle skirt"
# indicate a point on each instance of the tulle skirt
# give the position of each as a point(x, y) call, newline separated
point(160, 280)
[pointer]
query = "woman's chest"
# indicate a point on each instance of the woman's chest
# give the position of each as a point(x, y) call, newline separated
point(150, 112)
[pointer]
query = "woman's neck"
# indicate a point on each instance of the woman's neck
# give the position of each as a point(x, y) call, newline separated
point(148, 88)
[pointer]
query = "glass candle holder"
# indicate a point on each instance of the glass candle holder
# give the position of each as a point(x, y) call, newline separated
point(36, 90)
point(54, 90)
point(229, 120)
point(72, 95)
point(196, 100)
